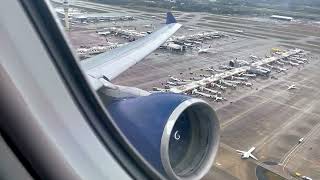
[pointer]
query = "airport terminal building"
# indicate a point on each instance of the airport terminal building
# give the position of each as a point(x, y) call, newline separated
point(102, 17)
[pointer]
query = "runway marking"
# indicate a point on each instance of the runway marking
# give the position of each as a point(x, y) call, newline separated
point(285, 159)
point(267, 100)
point(317, 163)
point(227, 123)
point(298, 84)
point(290, 106)
point(276, 132)
point(294, 152)
point(303, 111)
point(268, 139)
point(269, 85)
point(298, 147)
point(301, 114)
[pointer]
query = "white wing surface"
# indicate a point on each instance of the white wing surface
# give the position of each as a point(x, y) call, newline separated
point(110, 64)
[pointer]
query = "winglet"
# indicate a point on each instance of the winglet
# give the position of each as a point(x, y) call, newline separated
point(170, 18)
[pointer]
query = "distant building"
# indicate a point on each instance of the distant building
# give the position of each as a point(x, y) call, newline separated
point(171, 1)
point(71, 12)
point(102, 17)
point(175, 47)
point(284, 18)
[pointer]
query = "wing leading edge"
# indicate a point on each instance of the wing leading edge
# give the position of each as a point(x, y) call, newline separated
point(110, 64)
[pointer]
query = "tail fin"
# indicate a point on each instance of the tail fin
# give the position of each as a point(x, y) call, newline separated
point(170, 18)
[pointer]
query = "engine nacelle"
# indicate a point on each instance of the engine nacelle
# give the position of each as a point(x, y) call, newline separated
point(177, 134)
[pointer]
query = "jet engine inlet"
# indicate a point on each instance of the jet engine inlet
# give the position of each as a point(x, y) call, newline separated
point(177, 134)
point(190, 156)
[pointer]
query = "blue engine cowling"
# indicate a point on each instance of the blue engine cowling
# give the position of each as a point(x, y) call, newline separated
point(177, 134)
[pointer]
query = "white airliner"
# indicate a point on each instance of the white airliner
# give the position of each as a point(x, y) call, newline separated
point(293, 64)
point(279, 69)
point(247, 154)
point(279, 63)
point(203, 50)
point(218, 98)
point(214, 97)
point(223, 88)
point(174, 79)
point(293, 86)
point(210, 90)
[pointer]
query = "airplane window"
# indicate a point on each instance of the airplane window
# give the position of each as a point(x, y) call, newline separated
point(206, 89)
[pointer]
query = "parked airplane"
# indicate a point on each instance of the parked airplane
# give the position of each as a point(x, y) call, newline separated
point(227, 84)
point(224, 67)
point(156, 89)
point(293, 64)
point(223, 88)
point(219, 98)
point(269, 66)
point(210, 90)
point(247, 154)
point(218, 70)
point(247, 84)
point(293, 86)
point(203, 50)
point(283, 61)
point(195, 91)
point(214, 97)
point(177, 83)
point(249, 75)
point(205, 75)
point(171, 83)
point(239, 78)
point(239, 31)
point(279, 69)
point(210, 70)
point(174, 79)
point(297, 61)
point(304, 60)
point(253, 57)
point(279, 63)
point(233, 82)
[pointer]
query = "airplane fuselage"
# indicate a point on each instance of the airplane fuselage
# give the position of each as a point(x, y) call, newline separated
point(245, 155)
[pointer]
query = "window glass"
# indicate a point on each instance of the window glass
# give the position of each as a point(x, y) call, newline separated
point(255, 62)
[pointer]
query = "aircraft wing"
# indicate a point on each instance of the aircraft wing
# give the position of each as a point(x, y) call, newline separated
point(251, 150)
point(253, 157)
point(241, 152)
point(110, 64)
